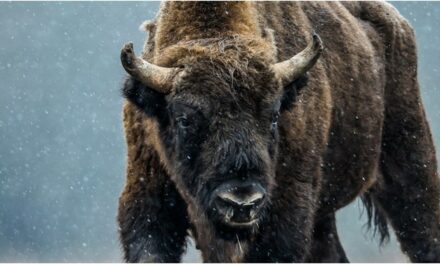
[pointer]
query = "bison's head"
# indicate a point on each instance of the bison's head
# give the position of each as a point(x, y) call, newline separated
point(217, 122)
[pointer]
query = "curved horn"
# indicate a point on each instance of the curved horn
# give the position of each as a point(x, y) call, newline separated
point(153, 76)
point(289, 70)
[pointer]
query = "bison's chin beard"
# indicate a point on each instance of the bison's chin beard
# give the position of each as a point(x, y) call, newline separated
point(218, 240)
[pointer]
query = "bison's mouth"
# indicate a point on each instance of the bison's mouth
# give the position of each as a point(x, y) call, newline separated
point(248, 224)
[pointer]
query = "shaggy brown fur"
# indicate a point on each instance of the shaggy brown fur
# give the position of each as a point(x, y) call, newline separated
point(357, 128)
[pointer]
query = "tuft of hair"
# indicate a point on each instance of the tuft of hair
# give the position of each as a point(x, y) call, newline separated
point(376, 219)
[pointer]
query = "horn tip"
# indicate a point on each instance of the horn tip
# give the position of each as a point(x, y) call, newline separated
point(317, 42)
point(127, 56)
point(128, 46)
point(316, 37)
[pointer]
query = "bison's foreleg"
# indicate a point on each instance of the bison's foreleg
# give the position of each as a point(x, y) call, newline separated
point(326, 246)
point(152, 220)
point(288, 234)
point(152, 216)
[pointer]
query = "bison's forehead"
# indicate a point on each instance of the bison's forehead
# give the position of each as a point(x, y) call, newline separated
point(231, 66)
point(248, 82)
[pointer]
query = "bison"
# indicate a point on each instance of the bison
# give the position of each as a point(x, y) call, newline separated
point(249, 124)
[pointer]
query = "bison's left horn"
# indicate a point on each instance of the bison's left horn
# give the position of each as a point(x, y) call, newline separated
point(155, 77)
point(289, 70)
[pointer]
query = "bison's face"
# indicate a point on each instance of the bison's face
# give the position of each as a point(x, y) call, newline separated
point(222, 143)
point(220, 135)
point(218, 127)
point(223, 155)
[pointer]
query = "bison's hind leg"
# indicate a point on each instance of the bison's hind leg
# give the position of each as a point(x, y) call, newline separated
point(410, 200)
point(408, 189)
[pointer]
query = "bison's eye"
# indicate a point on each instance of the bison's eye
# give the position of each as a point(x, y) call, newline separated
point(183, 122)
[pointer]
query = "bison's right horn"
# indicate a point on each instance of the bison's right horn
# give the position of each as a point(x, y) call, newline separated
point(289, 70)
point(155, 77)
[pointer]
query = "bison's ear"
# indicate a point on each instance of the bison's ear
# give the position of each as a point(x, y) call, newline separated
point(291, 92)
point(151, 102)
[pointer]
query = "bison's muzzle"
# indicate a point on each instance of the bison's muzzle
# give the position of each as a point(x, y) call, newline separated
point(238, 204)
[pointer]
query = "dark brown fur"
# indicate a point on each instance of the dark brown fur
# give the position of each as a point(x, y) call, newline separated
point(357, 128)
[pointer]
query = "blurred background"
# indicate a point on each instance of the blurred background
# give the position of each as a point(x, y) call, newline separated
point(62, 149)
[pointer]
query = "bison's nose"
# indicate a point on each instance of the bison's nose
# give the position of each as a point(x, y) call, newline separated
point(242, 196)
point(239, 203)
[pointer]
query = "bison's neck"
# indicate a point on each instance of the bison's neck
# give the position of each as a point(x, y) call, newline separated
point(194, 20)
